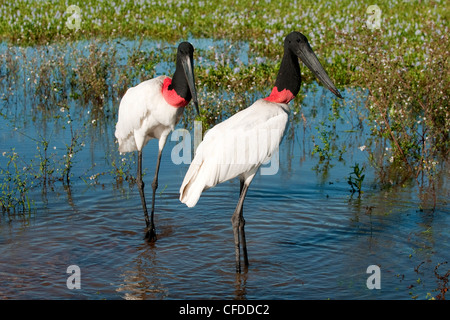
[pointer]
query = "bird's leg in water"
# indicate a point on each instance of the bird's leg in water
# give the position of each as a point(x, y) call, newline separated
point(151, 232)
point(238, 228)
point(141, 185)
point(241, 227)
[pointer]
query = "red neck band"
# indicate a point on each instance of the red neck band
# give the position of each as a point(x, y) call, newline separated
point(171, 96)
point(283, 96)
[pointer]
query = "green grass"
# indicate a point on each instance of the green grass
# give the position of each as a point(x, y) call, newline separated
point(259, 22)
point(328, 25)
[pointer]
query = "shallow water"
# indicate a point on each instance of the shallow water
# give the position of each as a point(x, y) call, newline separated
point(308, 237)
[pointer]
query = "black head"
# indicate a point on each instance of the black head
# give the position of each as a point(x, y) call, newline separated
point(185, 49)
point(297, 44)
point(185, 62)
point(293, 40)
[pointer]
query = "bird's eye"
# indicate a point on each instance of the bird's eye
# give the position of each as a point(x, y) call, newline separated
point(298, 40)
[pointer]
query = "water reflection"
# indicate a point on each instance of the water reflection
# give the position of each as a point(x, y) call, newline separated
point(143, 277)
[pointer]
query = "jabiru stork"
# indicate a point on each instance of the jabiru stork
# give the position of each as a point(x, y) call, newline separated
point(239, 145)
point(151, 110)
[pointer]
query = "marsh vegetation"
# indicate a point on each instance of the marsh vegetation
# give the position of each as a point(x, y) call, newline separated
point(60, 89)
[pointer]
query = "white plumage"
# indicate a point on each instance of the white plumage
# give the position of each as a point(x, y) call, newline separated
point(151, 110)
point(144, 114)
point(236, 147)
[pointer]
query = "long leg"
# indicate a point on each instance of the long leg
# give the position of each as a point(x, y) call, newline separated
point(236, 220)
point(141, 186)
point(151, 232)
point(241, 228)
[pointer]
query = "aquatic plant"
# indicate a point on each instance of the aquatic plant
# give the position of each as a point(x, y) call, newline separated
point(72, 147)
point(356, 179)
point(408, 94)
point(326, 141)
point(15, 185)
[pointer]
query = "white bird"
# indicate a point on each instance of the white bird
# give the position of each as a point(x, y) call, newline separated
point(151, 110)
point(239, 145)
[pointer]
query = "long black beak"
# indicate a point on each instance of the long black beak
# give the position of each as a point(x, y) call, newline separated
point(307, 55)
point(188, 67)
